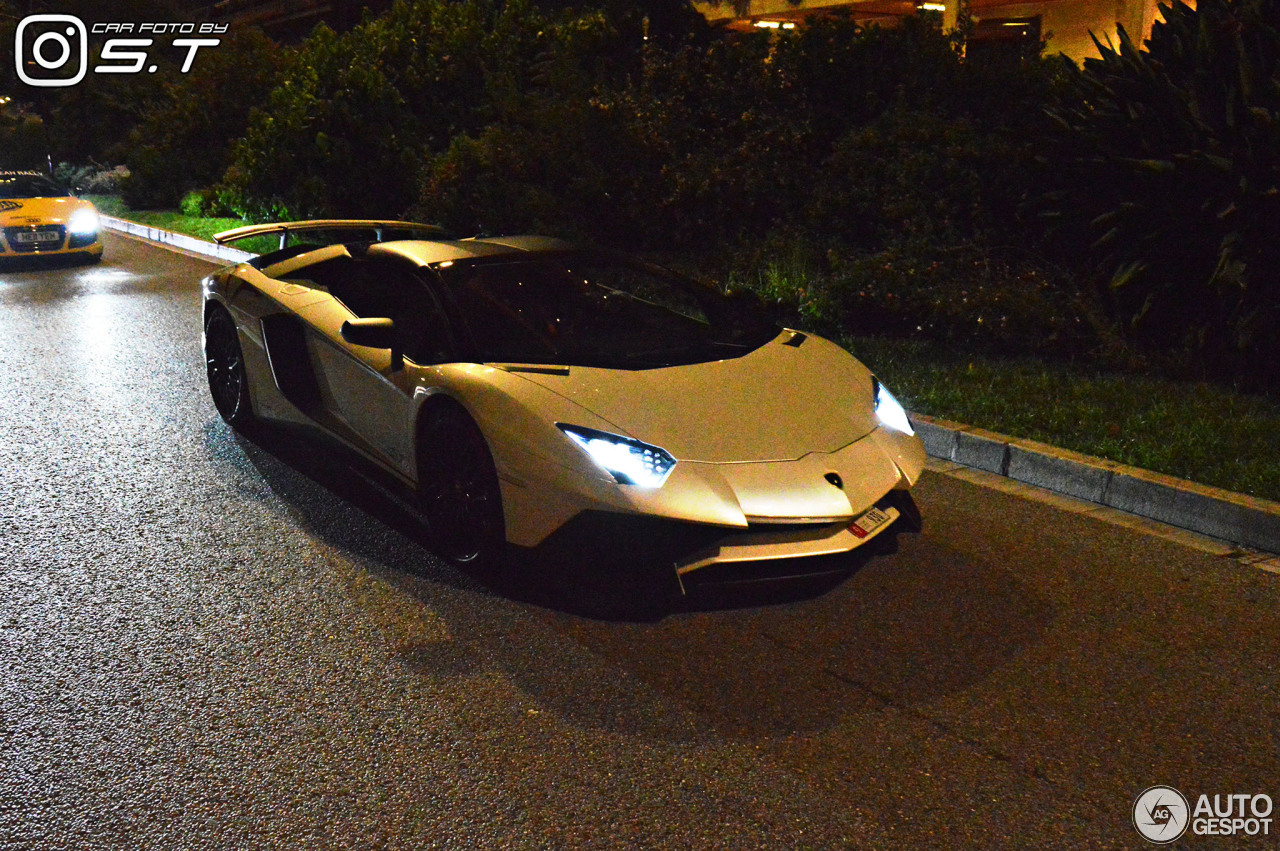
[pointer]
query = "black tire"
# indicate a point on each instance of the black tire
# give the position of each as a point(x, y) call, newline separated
point(224, 362)
point(459, 492)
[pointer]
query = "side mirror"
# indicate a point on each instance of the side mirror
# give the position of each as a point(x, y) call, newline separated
point(376, 334)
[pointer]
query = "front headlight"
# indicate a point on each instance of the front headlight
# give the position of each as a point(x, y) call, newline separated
point(888, 410)
point(83, 222)
point(629, 461)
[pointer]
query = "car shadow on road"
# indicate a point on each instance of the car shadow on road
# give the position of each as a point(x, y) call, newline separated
point(340, 498)
point(582, 584)
point(895, 632)
point(39, 262)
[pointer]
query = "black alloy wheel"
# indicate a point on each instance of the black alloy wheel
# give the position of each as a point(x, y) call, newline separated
point(224, 361)
point(458, 489)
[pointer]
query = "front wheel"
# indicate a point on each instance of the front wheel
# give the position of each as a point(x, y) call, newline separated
point(458, 489)
point(224, 362)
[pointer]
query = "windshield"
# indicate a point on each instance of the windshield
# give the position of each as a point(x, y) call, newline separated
point(29, 186)
point(589, 310)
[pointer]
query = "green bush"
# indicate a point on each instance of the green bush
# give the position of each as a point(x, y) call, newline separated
point(1168, 167)
point(105, 181)
point(354, 116)
point(556, 157)
point(891, 205)
point(206, 203)
point(184, 140)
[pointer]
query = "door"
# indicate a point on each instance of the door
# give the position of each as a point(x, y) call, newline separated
point(358, 385)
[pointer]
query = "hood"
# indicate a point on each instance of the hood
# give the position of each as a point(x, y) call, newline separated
point(778, 403)
point(39, 211)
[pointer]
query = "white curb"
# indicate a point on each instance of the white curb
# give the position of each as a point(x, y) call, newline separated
point(1223, 514)
point(178, 240)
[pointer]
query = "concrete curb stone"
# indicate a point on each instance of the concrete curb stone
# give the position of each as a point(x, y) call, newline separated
point(1234, 517)
point(178, 240)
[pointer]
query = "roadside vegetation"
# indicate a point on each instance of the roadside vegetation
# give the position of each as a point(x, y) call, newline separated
point(1087, 255)
point(1194, 430)
point(199, 226)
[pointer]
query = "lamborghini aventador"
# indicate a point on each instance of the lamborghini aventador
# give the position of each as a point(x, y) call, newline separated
point(525, 391)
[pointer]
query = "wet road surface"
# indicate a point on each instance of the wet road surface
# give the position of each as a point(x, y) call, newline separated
point(212, 641)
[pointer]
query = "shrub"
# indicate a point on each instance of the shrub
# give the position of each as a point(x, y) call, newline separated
point(556, 156)
point(184, 140)
point(201, 202)
point(106, 181)
point(1168, 166)
point(354, 116)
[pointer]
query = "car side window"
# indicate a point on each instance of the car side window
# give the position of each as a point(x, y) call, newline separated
point(380, 287)
point(417, 311)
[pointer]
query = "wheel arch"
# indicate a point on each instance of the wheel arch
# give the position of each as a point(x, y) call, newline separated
point(429, 401)
point(212, 304)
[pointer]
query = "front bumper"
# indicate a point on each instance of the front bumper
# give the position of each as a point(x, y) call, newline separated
point(770, 542)
point(819, 488)
point(686, 556)
point(45, 240)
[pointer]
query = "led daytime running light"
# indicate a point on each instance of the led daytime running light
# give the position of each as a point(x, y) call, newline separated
point(889, 410)
point(629, 461)
point(83, 222)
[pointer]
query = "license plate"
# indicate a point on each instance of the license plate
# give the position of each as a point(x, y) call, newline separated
point(871, 520)
point(37, 236)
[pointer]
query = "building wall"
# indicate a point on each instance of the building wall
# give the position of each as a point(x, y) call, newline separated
point(1066, 23)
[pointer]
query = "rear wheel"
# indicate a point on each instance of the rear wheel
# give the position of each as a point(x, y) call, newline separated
point(224, 362)
point(458, 489)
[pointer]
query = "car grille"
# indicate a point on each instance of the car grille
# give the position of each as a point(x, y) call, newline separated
point(25, 245)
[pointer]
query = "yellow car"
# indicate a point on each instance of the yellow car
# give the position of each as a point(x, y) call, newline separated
point(39, 217)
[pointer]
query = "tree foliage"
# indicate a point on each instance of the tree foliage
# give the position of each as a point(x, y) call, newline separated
point(184, 139)
point(1168, 166)
point(354, 115)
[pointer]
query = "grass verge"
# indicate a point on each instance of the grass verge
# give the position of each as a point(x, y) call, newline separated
point(197, 226)
point(1195, 431)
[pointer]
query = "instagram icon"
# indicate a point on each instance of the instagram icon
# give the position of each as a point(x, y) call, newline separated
point(49, 38)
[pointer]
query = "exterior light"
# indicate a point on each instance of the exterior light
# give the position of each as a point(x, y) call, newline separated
point(628, 460)
point(888, 410)
point(83, 222)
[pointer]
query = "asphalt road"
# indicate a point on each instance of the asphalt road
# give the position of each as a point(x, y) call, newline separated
point(208, 641)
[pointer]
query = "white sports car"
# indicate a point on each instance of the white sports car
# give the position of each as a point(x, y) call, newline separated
point(532, 394)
